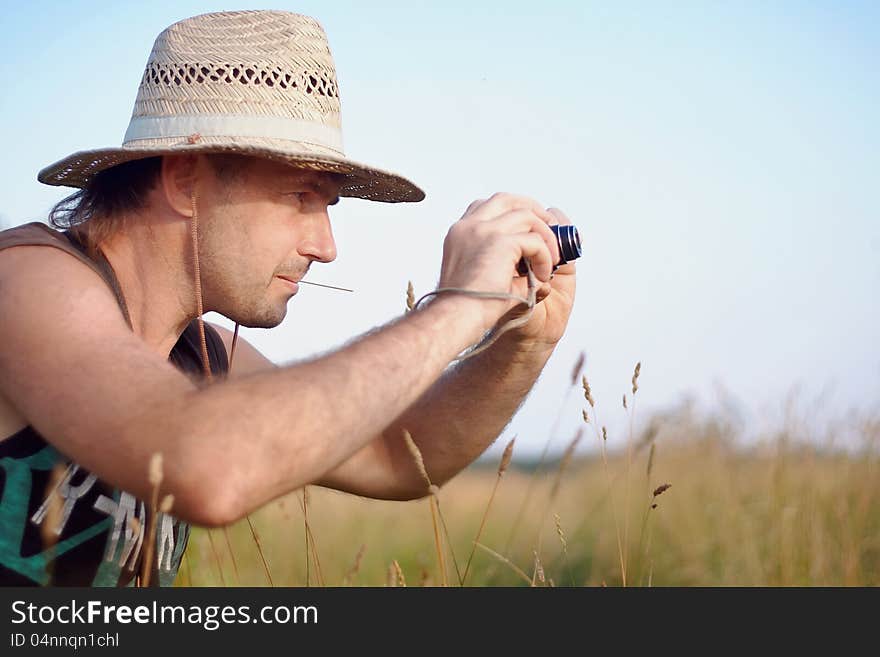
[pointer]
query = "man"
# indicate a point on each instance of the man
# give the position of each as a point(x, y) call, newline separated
point(218, 200)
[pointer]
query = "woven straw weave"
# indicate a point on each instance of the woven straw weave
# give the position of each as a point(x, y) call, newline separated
point(259, 83)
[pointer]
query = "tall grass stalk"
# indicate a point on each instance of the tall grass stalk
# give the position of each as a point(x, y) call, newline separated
point(562, 542)
point(310, 540)
point(256, 538)
point(216, 556)
point(434, 501)
point(629, 455)
point(306, 536)
point(554, 491)
point(231, 551)
point(603, 439)
point(50, 526)
point(438, 542)
point(502, 467)
point(508, 562)
point(575, 373)
point(155, 476)
point(639, 554)
point(185, 561)
point(356, 566)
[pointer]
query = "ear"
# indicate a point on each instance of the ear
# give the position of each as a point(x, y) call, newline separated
point(178, 181)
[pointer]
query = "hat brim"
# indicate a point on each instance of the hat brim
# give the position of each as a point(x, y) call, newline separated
point(359, 180)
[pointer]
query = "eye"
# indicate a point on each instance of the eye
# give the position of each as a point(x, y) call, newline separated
point(310, 196)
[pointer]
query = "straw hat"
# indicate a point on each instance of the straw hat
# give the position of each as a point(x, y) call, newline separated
point(258, 83)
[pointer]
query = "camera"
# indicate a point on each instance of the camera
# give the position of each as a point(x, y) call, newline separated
point(569, 241)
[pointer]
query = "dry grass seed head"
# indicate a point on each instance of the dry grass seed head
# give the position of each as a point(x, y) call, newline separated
point(588, 394)
point(166, 504)
point(401, 580)
point(416, 454)
point(636, 377)
point(51, 525)
point(559, 530)
point(661, 489)
point(506, 456)
point(578, 365)
point(410, 296)
point(358, 558)
point(356, 567)
point(391, 579)
point(155, 472)
point(539, 568)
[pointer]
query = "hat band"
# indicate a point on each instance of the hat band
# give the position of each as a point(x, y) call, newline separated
point(269, 127)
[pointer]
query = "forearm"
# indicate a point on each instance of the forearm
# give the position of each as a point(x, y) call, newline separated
point(266, 434)
point(468, 407)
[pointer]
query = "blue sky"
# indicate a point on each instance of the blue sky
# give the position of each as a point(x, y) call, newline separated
point(720, 159)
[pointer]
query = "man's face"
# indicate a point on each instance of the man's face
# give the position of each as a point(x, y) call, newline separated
point(266, 224)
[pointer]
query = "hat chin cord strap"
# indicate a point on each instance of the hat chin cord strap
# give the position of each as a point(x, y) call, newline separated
point(194, 232)
point(206, 363)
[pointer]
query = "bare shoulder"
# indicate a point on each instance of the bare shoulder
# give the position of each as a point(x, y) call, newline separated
point(248, 359)
point(41, 262)
point(39, 284)
point(69, 364)
point(11, 421)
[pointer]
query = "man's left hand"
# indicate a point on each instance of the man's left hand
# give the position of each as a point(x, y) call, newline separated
point(555, 300)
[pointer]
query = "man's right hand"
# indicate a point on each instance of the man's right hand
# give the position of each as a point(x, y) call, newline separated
point(482, 249)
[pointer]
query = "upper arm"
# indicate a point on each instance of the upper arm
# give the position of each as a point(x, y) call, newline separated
point(247, 360)
point(71, 366)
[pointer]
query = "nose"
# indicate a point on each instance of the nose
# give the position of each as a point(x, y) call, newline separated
point(318, 243)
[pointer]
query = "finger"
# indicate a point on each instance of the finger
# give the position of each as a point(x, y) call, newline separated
point(543, 292)
point(502, 202)
point(520, 287)
point(523, 221)
point(559, 216)
point(473, 206)
point(510, 222)
point(566, 269)
point(534, 248)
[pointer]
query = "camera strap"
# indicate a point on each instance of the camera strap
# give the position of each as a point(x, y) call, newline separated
point(499, 329)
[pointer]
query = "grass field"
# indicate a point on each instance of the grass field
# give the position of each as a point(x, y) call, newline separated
point(784, 512)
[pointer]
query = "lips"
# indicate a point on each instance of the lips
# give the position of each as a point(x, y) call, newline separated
point(290, 282)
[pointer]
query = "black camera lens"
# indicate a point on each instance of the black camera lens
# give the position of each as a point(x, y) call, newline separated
point(569, 242)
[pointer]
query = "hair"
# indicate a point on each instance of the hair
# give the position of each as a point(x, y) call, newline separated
point(98, 210)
